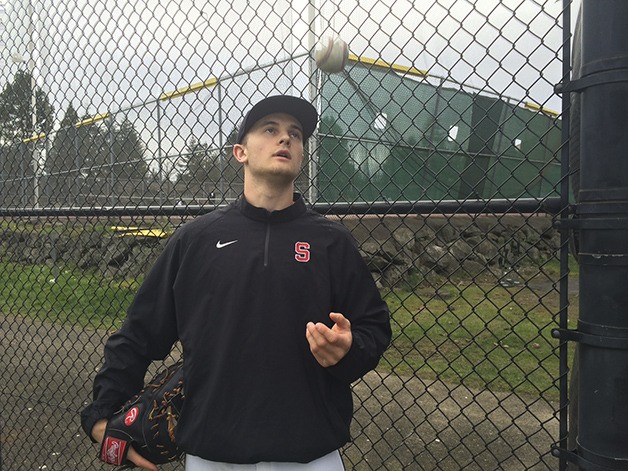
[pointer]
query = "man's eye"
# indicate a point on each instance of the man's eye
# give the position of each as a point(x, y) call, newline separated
point(295, 134)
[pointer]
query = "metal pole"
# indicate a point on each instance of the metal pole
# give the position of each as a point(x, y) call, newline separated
point(23, 177)
point(221, 157)
point(112, 163)
point(563, 412)
point(159, 156)
point(602, 332)
point(31, 67)
point(313, 85)
point(77, 164)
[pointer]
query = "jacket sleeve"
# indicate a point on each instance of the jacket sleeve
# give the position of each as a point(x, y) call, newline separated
point(147, 334)
point(356, 296)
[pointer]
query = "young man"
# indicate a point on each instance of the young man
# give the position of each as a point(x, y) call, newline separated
point(275, 309)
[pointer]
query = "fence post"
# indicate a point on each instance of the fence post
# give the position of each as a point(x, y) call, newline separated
point(602, 332)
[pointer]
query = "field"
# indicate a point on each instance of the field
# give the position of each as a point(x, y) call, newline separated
point(480, 334)
point(470, 377)
point(473, 332)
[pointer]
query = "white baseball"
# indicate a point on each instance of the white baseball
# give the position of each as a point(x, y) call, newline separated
point(331, 55)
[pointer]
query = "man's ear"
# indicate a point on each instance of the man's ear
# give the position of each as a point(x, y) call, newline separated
point(239, 152)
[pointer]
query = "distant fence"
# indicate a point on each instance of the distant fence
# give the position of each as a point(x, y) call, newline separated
point(383, 136)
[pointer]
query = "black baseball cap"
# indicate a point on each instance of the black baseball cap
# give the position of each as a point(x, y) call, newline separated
point(301, 109)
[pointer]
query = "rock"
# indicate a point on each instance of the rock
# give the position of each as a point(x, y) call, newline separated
point(460, 249)
point(446, 233)
point(439, 259)
point(473, 268)
point(488, 250)
point(117, 251)
point(393, 247)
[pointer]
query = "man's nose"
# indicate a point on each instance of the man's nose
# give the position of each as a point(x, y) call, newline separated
point(284, 138)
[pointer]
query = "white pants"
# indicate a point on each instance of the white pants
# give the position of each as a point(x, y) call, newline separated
point(330, 462)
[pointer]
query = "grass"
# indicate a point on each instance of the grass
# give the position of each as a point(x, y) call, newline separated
point(473, 332)
point(51, 227)
point(479, 333)
point(64, 295)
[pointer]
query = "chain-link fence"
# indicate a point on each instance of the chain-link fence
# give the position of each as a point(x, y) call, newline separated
point(437, 147)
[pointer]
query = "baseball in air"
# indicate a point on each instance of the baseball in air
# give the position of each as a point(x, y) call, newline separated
point(331, 54)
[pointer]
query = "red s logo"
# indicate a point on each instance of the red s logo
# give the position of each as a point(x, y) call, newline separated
point(302, 252)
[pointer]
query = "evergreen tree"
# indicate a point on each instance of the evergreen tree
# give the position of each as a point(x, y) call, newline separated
point(92, 155)
point(195, 164)
point(113, 158)
point(199, 170)
point(16, 112)
point(16, 124)
point(129, 165)
point(62, 159)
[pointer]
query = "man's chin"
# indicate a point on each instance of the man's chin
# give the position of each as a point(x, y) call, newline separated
point(282, 173)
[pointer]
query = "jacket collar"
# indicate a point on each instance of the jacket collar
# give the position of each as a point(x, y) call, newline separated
point(260, 214)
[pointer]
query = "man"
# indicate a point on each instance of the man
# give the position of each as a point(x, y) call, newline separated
point(276, 312)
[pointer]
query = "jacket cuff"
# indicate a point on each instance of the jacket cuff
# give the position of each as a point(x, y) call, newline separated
point(352, 366)
point(92, 414)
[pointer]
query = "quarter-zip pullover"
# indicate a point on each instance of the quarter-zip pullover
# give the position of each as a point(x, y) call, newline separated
point(237, 287)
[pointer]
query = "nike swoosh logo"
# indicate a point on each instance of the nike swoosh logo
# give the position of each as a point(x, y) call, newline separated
point(220, 245)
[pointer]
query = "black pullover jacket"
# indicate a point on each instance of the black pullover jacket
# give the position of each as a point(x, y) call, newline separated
point(237, 287)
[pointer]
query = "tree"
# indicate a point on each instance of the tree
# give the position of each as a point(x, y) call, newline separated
point(199, 170)
point(196, 163)
point(128, 149)
point(112, 158)
point(16, 125)
point(62, 160)
point(91, 148)
point(16, 112)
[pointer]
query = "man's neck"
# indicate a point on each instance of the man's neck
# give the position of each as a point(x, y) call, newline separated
point(271, 199)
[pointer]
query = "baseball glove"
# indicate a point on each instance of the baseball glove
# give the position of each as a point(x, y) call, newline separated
point(147, 421)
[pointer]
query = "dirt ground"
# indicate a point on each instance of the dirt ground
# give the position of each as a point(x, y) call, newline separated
point(400, 423)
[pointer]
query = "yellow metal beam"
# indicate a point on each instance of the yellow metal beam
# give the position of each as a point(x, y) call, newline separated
point(534, 107)
point(34, 137)
point(156, 233)
point(189, 89)
point(402, 69)
point(92, 119)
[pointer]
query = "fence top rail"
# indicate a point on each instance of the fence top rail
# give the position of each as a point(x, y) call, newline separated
point(550, 205)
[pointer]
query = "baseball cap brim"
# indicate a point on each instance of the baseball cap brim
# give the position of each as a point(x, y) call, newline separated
point(301, 109)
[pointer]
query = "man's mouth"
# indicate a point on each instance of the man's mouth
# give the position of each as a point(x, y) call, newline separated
point(283, 153)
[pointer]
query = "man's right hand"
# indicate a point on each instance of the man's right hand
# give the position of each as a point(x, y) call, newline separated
point(98, 433)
